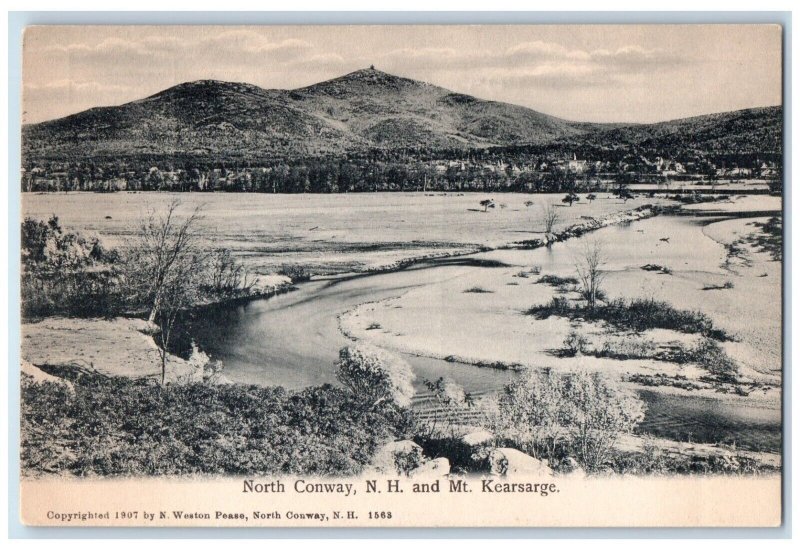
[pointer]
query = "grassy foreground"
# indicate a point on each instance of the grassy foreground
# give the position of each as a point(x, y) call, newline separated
point(115, 426)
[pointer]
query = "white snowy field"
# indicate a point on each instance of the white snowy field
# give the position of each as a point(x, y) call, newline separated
point(330, 233)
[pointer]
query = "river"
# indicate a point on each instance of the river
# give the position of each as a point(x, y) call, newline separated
point(293, 339)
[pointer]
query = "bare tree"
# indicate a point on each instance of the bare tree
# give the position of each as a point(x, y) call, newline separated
point(165, 269)
point(550, 218)
point(590, 272)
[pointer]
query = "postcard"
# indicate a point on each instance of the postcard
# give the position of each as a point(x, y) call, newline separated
point(402, 276)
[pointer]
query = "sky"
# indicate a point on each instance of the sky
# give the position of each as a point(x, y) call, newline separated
point(592, 73)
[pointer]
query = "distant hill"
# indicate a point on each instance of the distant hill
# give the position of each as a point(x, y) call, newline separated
point(745, 131)
point(363, 110)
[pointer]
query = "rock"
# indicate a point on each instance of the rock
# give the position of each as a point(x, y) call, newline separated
point(476, 438)
point(435, 467)
point(509, 462)
point(403, 446)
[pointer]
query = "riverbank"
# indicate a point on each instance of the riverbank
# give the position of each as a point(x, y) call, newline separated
point(121, 346)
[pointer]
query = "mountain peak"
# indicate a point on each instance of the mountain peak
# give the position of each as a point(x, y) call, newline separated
point(367, 72)
point(364, 80)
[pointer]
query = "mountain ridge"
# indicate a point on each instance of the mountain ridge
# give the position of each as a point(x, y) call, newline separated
point(362, 110)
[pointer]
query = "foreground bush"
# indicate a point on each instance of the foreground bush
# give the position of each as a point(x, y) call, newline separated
point(555, 415)
point(65, 273)
point(375, 376)
point(111, 427)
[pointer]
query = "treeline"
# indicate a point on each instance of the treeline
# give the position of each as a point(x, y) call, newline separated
point(316, 176)
point(518, 169)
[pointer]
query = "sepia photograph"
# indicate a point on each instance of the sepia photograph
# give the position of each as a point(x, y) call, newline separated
point(383, 275)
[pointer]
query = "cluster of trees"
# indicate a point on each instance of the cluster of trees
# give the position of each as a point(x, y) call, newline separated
point(162, 272)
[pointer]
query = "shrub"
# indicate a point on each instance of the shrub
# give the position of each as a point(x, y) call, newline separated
point(211, 371)
point(637, 314)
point(555, 280)
point(296, 272)
point(599, 295)
point(643, 314)
point(655, 267)
point(578, 414)
point(652, 460)
point(770, 238)
point(627, 348)
point(727, 285)
point(110, 427)
point(66, 273)
point(591, 274)
point(374, 376)
point(558, 305)
point(227, 278)
point(463, 458)
point(575, 344)
point(406, 461)
point(710, 355)
point(661, 379)
point(534, 270)
point(550, 218)
point(478, 290)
